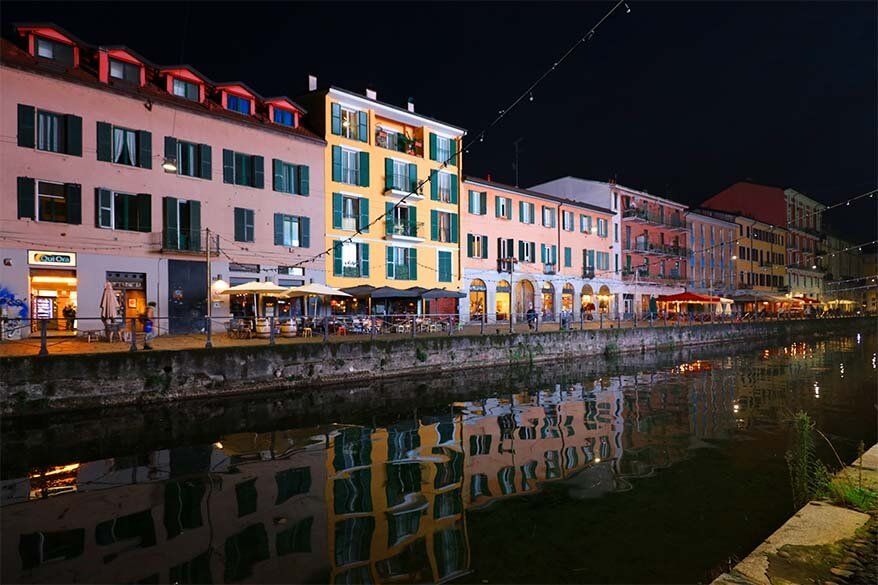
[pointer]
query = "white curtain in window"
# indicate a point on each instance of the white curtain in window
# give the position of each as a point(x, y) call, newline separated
point(118, 144)
point(131, 141)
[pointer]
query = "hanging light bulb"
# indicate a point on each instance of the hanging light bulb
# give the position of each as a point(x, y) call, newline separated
point(169, 165)
point(531, 97)
point(627, 9)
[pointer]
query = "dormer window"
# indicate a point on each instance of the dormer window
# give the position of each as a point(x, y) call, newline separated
point(238, 104)
point(49, 49)
point(186, 89)
point(284, 117)
point(124, 71)
point(283, 111)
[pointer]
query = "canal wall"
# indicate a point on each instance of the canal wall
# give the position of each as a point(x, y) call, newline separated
point(38, 385)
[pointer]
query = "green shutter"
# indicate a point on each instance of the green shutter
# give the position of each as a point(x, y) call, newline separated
point(470, 202)
point(454, 189)
point(194, 225)
point(413, 177)
point(568, 257)
point(73, 197)
point(434, 185)
point(496, 206)
point(103, 198)
point(144, 149)
point(521, 245)
point(413, 221)
point(26, 126)
point(364, 169)
point(73, 140)
point(304, 180)
point(336, 164)
point(304, 232)
point(521, 211)
point(26, 198)
point(483, 202)
point(364, 259)
point(454, 229)
point(434, 225)
point(144, 212)
point(278, 229)
point(171, 148)
point(228, 166)
point(336, 119)
point(204, 155)
point(452, 143)
point(432, 146)
point(172, 234)
point(277, 172)
point(413, 264)
point(389, 222)
point(388, 173)
point(363, 130)
point(484, 246)
point(258, 172)
point(336, 210)
point(105, 142)
point(554, 255)
point(509, 209)
point(470, 240)
point(364, 215)
point(391, 273)
point(543, 253)
point(239, 225)
point(336, 257)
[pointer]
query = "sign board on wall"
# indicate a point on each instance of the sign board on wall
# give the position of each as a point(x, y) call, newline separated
point(57, 259)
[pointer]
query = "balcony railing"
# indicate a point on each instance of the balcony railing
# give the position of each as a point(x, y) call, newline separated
point(401, 182)
point(549, 268)
point(187, 240)
point(647, 247)
point(351, 271)
point(506, 265)
point(588, 272)
point(643, 275)
point(399, 142)
point(401, 272)
point(403, 228)
point(654, 218)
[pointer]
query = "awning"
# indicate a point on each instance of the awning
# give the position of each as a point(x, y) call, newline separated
point(363, 290)
point(257, 288)
point(388, 292)
point(441, 293)
point(687, 297)
point(314, 288)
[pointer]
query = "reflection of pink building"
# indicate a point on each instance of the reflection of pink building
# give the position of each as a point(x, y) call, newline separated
point(86, 199)
point(526, 249)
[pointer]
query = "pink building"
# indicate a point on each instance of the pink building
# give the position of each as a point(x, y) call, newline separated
point(526, 249)
point(119, 170)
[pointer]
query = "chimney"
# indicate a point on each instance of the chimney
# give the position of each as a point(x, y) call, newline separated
point(312, 82)
point(371, 94)
point(490, 180)
point(411, 104)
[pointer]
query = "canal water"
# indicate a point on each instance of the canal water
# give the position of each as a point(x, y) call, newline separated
point(652, 469)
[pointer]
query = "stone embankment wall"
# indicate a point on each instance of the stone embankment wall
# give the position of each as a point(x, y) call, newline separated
point(34, 385)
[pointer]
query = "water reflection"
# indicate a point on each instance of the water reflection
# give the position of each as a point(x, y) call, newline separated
point(388, 503)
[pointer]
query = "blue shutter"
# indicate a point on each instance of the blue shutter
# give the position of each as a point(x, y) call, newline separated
point(239, 225)
point(454, 192)
point(205, 153)
point(388, 173)
point(304, 187)
point(336, 210)
point(433, 148)
point(336, 259)
point(278, 229)
point(364, 215)
point(434, 225)
point(144, 149)
point(258, 172)
point(277, 172)
point(454, 228)
point(391, 273)
point(413, 264)
point(388, 217)
point(434, 185)
point(336, 119)
point(543, 253)
point(336, 164)
point(363, 130)
point(413, 221)
point(364, 169)
point(305, 232)
point(413, 177)
point(364, 259)
point(228, 166)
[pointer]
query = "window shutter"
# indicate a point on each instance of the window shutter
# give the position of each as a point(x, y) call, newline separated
point(454, 193)
point(171, 235)
point(278, 176)
point(413, 221)
point(432, 146)
point(453, 145)
point(26, 198)
point(336, 259)
point(413, 177)
point(195, 225)
point(470, 240)
point(484, 246)
point(171, 148)
point(471, 202)
point(364, 169)
point(543, 253)
point(483, 203)
point(73, 197)
point(554, 255)
point(278, 229)
point(496, 206)
point(144, 149)
point(413, 264)
point(105, 142)
point(258, 172)
point(73, 140)
point(102, 199)
point(144, 212)
point(454, 229)
point(239, 225)
point(336, 164)
point(509, 209)
point(26, 126)
point(364, 215)
point(510, 247)
point(391, 273)
point(205, 154)
point(434, 225)
point(304, 187)
point(228, 166)
point(568, 257)
point(336, 119)
point(521, 205)
point(521, 250)
point(336, 210)
point(434, 185)
point(363, 130)
point(499, 251)
point(388, 217)
point(305, 232)
point(388, 173)
point(364, 259)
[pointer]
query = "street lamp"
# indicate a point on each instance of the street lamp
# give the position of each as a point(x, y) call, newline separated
point(169, 165)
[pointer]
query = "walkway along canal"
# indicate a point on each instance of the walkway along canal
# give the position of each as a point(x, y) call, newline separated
point(657, 467)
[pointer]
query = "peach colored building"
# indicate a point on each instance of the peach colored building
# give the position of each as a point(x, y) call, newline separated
point(525, 249)
point(713, 247)
point(87, 198)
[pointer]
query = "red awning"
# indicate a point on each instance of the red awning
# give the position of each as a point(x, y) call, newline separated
point(687, 297)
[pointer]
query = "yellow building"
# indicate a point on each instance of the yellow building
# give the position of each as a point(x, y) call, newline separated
point(376, 157)
point(762, 252)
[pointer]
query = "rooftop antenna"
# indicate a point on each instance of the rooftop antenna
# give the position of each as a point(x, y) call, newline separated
point(515, 144)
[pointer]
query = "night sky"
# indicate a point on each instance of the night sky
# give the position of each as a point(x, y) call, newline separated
point(679, 99)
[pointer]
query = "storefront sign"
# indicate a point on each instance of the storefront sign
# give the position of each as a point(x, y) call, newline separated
point(42, 258)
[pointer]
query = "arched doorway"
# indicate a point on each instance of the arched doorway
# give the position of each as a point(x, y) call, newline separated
point(548, 292)
point(477, 299)
point(567, 294)
point(604, 299)
point(502, 302)
point(524, 297)
point(587, 301)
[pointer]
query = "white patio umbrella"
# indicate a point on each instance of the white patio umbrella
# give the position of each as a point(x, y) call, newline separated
point(316, 289)
point(256, 288)
point(109, 304)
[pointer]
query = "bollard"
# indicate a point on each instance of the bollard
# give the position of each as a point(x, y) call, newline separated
point(271, 330)
point(208, 322)
point(44, 350)
point(325, 329)
point(133, 335)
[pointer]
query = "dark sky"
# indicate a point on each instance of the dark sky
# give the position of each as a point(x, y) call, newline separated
point(680, 99)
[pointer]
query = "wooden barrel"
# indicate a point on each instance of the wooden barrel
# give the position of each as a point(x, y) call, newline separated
point(288, 329)
point(263, 330)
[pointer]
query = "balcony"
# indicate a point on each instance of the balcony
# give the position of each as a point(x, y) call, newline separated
point(398, 142)
point(643, 275)
point(400, 185)
point(351, 271)
point(188, 241)
point(506, 265)
point(813, 232)
point(644, 216)
point(550, 268)
point(400, 272)
point(403, 230)
point(588, 272)
point(648, 248)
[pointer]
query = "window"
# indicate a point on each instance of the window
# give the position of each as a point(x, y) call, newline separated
point(567, 221)
point(350, 259)
point(476, 246)
point(444, 266)
point(182, 224)
point(125, 147)
point(603, 260)
point(503, 207)
point(526, 212)
point(505, 248)
point(585, 224)
point(527, 251)
point(56, 51)
point(51, 202)
point(443, 148)
point(123, 211)
point(346, 166)
point(186, 89)
point(402, 263)
point(237, 104)
point(444, 187)
point(193, 160)
point(125, 71)
point(290, 178)
point(443, 226)
point(284, 117)
point(350, 213)
point(602, 227)
point(50, 131)
point(243, 169)
point(399, 175)
point(478, 202)
point(402, 220)
point(549, 254)
point(549, 217)
point(244, 231)
point(350, 123)
point(291, 231)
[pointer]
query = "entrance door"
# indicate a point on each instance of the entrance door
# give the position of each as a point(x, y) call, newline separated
point(187, 295)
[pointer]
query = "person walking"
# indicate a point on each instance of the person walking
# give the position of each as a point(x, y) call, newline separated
point(531, 317)
point(147, 320)
point(69, 316)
